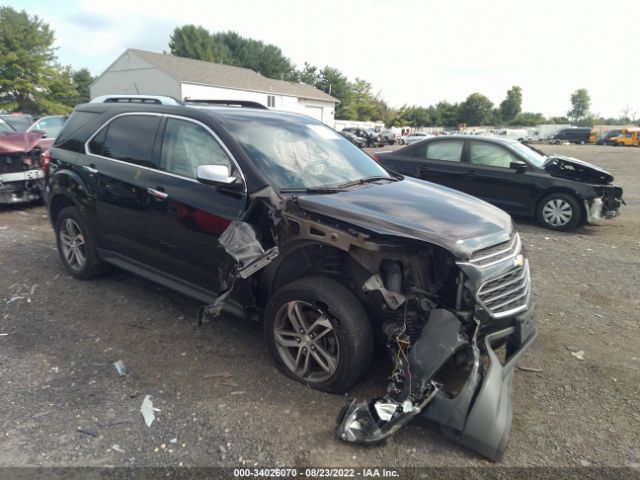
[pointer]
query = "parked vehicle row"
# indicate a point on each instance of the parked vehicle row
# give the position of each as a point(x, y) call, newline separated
point(272, 213)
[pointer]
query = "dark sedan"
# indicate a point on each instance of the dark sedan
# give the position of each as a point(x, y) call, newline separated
point(559, 191)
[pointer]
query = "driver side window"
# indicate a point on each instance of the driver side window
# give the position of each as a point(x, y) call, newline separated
point(490, 154)
point(186, 146)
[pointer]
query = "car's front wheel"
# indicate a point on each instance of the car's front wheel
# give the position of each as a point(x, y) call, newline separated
point(559, 211)
point(77, 244)
point(319, 334)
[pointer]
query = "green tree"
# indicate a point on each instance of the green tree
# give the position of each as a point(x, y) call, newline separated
point(309, 75)
point(447, 114)
point(580, 104)
point(333, 82)
point(512, 104)
point(476, 110)
point(196, 42)
point(528, 118)
point(28, 71)
point(82, 79)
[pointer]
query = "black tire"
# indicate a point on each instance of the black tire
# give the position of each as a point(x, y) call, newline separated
point(560, 200)
point(351, 331)
point(92, 265)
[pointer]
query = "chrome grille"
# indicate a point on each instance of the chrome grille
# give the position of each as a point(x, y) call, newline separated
point(508, 293)
point(496, 253)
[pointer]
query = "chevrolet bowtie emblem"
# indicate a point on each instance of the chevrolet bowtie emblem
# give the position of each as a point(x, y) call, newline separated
point(518, 261)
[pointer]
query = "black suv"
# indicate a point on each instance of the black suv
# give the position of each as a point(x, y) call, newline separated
point(276, 216)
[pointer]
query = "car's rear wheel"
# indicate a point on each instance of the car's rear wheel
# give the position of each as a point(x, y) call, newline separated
point(319, 334)
point(559, 211)
point(77, 244)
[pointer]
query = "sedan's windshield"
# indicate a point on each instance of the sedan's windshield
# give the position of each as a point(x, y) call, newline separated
point(5, 127)
point(528, 153)
point(296, 153)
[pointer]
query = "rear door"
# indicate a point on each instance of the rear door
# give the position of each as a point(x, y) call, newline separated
point(186, 217)
point(440, 161)
point(118, 157)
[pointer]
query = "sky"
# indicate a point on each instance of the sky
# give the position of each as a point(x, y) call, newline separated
point(412, 52)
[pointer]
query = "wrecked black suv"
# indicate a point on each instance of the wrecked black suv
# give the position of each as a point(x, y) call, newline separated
point(276, 216)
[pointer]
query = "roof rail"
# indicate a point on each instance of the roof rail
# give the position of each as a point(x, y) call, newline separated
point(145, 99)
point(227, 103)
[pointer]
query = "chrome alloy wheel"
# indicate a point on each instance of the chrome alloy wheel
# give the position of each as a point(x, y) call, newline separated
point(557, 212)
point(73, 246)
point(306, 341)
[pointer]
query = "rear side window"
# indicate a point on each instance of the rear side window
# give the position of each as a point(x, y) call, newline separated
point(129, 138)
point(446, 150)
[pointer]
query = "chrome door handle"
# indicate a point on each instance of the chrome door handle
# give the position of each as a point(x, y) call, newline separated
point(90, 170)
point(157, 194)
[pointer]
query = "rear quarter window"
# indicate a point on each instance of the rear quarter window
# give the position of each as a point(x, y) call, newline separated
point(74, 133)
point(129, 138)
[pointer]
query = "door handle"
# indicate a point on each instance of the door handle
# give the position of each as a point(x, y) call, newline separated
point(90, 170)
point(157, 194)
point(471, 173)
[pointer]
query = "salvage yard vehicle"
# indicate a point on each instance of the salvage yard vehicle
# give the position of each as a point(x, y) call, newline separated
point(607, 137)
point(20, 122)
point(357, 141)
point(274, 216)
point(21, 175)
point(416, 137)
point(560, 192)
point(571, 135)
point(628, 137)
point(49, 126)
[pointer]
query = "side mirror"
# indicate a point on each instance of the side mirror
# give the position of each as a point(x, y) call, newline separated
point(518, 165)
point(216, 175)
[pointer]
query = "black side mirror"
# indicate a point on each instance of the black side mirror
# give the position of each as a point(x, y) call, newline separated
point(518, 165)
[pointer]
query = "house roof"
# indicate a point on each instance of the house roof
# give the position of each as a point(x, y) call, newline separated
point(189, 70)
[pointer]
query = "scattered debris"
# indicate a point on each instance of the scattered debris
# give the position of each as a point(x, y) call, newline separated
point(3, 334)
point(228, 383)
point(55, 369)
point(174, 440)
point(14, 299)
point(120, 368)
point(86, 431)
point(597, 315)
point(529, 369)
point(579, 354)
point(585, 463)
point(239, 392)
point(147, 410)
point(117, 448)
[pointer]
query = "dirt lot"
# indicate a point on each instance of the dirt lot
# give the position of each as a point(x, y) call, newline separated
point(222, 402)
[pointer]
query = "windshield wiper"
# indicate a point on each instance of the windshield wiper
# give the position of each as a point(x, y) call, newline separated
point(366, 180)
point(311, 190)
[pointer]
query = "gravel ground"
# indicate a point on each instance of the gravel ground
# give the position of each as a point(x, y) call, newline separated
point(222, 402)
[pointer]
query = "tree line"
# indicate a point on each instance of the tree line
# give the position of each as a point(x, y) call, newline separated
point(32, 80)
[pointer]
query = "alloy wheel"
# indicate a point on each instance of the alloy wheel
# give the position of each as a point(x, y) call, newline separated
point(557, 212)
point(73, 245)
point(306, 341)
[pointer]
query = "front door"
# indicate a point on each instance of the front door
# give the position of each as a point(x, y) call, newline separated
point(186, 217)
point(490, 178)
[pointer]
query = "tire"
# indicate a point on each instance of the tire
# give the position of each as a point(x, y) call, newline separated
point(342, 338)
point(553, 209)
point(72, 228)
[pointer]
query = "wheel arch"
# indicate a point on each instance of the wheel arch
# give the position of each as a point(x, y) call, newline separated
point(567, 191)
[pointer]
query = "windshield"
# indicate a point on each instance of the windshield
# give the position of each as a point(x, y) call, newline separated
point(19, 122)
point(298, 153)
point(5, 127)
point(528, 153)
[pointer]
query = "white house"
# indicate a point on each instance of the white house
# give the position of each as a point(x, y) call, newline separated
point(142, 72)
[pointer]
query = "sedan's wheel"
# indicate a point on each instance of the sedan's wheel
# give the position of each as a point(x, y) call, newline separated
point(319, 334)
point(77, 245)
point(559, 212)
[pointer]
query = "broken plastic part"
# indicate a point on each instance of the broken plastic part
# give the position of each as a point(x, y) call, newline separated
point(147, 410)
point(478, 416)
point(393, 299)
point(239, 240)
point(120, 368)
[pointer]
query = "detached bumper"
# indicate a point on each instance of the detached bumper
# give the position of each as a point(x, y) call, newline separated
point(18, 187)
point(482, 421)
point(606, 206)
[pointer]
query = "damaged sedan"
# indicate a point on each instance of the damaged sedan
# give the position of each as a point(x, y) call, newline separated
point(21, 161)
point(560, 192)
point(275, 217)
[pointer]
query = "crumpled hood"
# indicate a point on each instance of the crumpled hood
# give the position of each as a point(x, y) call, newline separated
point(22, 142)
point(418, 210)
point(574, 169)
